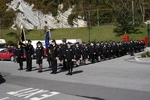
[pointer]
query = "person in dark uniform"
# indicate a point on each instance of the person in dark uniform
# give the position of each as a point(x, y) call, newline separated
point(108, 48)
point(131, 48)
point(104, 51)
point(101, 50)
point(60, 54)
point(117, 49)
point(64, 46)
point(29, 55)
point(69, 58)
point(54, 57)
point(97, 55)
point(39, 55)
point(114, 47)
point(19, 56)
point(92, 52)
point(85, 52)
point(49, 55)
point(77, 52)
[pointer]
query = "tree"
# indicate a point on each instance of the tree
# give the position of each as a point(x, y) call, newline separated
point(123, 12)
point(124, 22)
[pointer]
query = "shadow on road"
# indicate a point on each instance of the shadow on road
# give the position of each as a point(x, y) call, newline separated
point(2, 80)
point(94, 98)
point(76, 72)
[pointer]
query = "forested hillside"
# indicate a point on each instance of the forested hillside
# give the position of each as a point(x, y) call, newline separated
point(125, 16)
point(100, 11)
point(6, 16)
point(95, 12)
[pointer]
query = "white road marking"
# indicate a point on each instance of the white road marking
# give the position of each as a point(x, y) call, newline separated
point(4, 98)
point(15, 92)
point(44, 96)
point(32, 94)
point(40, 91)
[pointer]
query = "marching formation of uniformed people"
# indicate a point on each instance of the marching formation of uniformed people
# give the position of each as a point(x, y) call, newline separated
point(73, 55)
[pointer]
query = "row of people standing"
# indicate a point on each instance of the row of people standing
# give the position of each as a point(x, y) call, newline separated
point(28, 51)
point(53, 55)
point(108, 50)
point(64, 53)
point(70, 54)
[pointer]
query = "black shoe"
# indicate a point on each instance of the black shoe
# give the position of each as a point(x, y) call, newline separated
point(28, 70)
point(39, 71)
point(60, 65)
point(50, 67)
point(52, 72)
point(68, 74)
point(20, 69)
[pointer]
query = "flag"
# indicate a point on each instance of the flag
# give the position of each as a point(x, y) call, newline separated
point(47, 37)
point(23, 37)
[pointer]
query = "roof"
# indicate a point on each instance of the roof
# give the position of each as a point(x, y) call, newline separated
point(2, 41)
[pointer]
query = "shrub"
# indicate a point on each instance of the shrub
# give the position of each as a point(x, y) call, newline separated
point(143, 55)
point(146, 54)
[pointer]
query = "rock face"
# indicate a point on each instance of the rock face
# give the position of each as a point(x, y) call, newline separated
point(34, 19)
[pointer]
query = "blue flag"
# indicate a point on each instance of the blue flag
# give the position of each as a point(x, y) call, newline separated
point(47, 37)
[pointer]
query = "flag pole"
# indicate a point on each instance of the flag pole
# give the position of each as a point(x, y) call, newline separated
point(24, 35)
point(22, 30)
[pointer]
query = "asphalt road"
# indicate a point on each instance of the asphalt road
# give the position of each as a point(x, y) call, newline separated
point(116, 79)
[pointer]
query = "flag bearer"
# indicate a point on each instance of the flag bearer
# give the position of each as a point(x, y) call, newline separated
point(19, 56)
point(29, 55)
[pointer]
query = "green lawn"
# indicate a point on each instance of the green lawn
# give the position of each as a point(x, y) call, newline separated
point(101, 33)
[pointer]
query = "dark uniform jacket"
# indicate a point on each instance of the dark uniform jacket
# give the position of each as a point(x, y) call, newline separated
point(63, 46)
point(29, 50)
point(97, 49)
point(60, 53)
point(69, 53)
point(77, 52)
point(39, 52)
point(19, 52)
point(85, 52)
point(49, 53)
point(92, 50)
point(54, 51)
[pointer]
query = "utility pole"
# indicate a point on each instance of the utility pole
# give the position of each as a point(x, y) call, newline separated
point(62, 19)
point(89, 25)
point(133, 12)
point(97, 17)
point(148, 29)
point(1, 36)
point(0, 29)
point(143, 13)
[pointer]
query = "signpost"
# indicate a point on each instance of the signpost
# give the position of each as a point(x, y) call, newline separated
point(148, 29)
